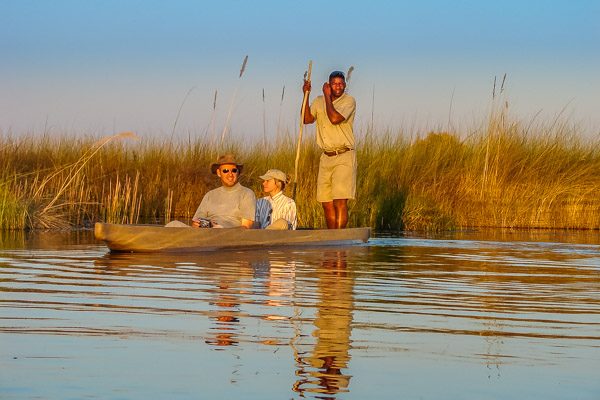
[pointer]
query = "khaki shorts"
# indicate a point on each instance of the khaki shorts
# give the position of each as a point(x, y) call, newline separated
point(337, 177)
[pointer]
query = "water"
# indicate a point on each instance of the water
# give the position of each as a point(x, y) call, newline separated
point(467, 316)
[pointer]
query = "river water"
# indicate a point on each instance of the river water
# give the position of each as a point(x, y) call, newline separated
point(492, 315)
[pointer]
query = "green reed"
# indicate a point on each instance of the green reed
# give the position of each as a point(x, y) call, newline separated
point(505, 173)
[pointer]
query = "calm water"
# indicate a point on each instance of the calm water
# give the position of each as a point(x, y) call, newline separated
point(486, 316)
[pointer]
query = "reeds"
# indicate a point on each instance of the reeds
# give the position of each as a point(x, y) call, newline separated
point(232, 103)
point(45, 184)
point(122, 202)
point(505, 173)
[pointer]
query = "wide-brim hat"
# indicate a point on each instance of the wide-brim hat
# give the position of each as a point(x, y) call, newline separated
point(274, 174)
point(226, 159)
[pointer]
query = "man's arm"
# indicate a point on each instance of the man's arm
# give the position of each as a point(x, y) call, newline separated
point(308, 118)
point(334, 116)
point(200, 211)
point(248, 208)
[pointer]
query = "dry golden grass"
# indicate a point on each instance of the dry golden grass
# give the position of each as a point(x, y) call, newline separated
point(506, 174)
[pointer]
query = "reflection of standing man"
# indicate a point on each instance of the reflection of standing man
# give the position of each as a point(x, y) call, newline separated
point(334, 114)
point(333, 324)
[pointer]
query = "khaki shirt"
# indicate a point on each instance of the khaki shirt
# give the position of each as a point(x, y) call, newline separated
point(332, 137)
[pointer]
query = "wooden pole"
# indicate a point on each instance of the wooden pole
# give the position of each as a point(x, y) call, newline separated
point(308, 72)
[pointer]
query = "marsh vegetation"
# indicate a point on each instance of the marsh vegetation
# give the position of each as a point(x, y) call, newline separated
point(504, 173)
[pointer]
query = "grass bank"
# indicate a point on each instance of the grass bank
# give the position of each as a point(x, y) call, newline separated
point(504, 173)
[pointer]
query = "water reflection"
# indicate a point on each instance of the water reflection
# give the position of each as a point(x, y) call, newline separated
point(323, 370)
point(225, 312)
point(490, 315)
point(573, 236)
point(24, 239)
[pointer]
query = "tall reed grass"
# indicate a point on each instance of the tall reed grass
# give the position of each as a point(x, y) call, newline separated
point(505, 173)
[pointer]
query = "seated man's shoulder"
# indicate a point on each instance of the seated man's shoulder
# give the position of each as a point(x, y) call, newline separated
point(248, 191)
point(210, 193)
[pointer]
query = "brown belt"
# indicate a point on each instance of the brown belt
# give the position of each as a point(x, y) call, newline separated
point(336, 152)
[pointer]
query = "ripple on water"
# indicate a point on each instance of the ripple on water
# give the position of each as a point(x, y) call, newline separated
point(309, 322)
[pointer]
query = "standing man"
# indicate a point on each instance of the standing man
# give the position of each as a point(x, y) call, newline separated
point(334, 113)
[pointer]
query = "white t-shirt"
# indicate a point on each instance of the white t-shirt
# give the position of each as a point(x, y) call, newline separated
point(227, 206)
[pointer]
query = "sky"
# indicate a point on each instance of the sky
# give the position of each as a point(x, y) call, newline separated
point(96, 67)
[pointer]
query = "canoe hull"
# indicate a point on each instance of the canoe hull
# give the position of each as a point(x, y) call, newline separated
point(157, 238)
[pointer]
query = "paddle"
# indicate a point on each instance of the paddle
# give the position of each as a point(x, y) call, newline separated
point(307, 77)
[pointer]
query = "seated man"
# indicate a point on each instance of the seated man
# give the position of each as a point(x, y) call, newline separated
point(229, 206)
point(275, 211)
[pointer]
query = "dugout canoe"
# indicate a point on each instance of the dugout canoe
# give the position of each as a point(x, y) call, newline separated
point(157, 238)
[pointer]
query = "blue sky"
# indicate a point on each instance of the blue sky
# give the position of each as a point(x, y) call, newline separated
point(97, 67)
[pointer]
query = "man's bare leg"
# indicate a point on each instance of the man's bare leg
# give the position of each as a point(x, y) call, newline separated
point(330, 215)
point(341, 213)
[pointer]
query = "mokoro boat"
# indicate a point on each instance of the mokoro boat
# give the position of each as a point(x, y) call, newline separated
point(157, 238)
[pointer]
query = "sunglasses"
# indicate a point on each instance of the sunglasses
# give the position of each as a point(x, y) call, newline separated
point(226, 171)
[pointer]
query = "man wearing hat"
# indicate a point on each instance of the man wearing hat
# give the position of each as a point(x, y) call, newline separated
point(276, 210)
point(229, 206)
point(334, 114)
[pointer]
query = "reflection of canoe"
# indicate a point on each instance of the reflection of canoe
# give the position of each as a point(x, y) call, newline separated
point(151, 238)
